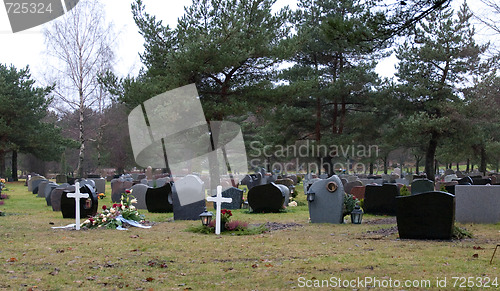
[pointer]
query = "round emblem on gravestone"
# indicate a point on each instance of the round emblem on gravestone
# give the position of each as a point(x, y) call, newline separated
point(331, 187)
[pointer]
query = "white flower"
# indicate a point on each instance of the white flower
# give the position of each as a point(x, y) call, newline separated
point(292, 204)
point(123, 207)
point(86, 221)
point(132, 207)
point(133, 201)
point(112, 210)
point(104, 219)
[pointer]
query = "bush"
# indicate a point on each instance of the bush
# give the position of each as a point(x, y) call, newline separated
point(404, 191)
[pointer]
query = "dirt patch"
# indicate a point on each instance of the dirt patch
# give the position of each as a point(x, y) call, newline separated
point(384, 231)
point(385, 220)
point(272, 226)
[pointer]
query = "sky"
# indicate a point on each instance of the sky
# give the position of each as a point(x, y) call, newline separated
point(27, 47)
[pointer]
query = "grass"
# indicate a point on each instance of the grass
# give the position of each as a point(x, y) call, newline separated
point(167, 257)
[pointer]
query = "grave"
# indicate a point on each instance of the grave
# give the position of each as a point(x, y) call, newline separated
point(218, 200)
point(326, 201)
point(481, 181)
point(235, 194)
point(253, 180)
point(348, 187)
point(159, 200)
point(32, 179)
point(48, 191)
point(267, 198)
point(89, 182)
point(428, 215)
point(358, 192)
point(60, 179)
point(421, 186)
point(118, 187)
point(139, 193)
point(88, 207)
point(100, 184)
point(308, 183)
point(188, 198)
point(41, 188)
point(477, 203)
point(56, 194)
point(381, 199)
point(287, 182)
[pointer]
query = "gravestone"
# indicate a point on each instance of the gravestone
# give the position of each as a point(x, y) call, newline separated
point(159, 200)
point(343, 180)
point(118, 187)
point(235, 194)
point(139, 193)
point(253, 180)
point(381, 199)
point(37, 183)
point(348, 187)
point(465, 181)
point(88, 207)
point(56, 194)
point(100, 185)
point(449, 172)
point(326, 201)
point(323, 176)
point(33, 179)
point(358, 192)
point(403, 181)
point(450, 178)
point(188, 197)
point(48, 191)
point(428, 215)
point(477, 203)
point(287, 182)
point(41, 188)
point(144, 181)
point(481, 181)
point(421, 186)
point(308, 183)
point(89, 182)
point(267, 198)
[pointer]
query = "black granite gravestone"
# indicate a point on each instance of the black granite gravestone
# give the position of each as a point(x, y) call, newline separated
point(88, 207)
point(233, 193)
point(188, 197)
point(428, 215)
point(266, 198)
point(381, 199)
point(159, 200)
point(48, 191)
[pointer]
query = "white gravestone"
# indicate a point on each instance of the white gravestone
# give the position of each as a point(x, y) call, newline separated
point(77, 195)
point(218, 200)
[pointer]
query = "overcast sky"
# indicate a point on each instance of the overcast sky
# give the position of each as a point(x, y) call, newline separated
point(27, 47)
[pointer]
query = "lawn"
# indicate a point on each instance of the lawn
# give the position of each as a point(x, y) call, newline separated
point(297, 254)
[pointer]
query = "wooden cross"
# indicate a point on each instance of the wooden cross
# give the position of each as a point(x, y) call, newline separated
point(77, 195)
point(218, 201)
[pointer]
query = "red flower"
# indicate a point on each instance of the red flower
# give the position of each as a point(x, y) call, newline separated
point(115, 205)
point(128, 191)
point(91, 219)
point(104, 207)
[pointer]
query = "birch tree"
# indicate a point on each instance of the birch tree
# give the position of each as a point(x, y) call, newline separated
point(80, 45)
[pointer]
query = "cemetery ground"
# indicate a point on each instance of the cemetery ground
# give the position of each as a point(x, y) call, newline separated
point(293, 254)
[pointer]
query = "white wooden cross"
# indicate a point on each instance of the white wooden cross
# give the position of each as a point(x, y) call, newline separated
point(218, 201)
point(77, 195)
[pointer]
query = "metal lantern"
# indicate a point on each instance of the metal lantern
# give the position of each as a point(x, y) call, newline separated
point(356, 215)
point(206, 217)
point(311, 196)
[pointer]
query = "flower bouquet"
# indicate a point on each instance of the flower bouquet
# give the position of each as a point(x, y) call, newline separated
point(117, 215)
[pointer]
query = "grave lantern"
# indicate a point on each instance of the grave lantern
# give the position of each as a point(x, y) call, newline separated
point(310, 196)
point(206, 217)
point(356, 215)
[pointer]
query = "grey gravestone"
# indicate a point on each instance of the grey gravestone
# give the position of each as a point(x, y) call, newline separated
point(253, 180)
point(421, 186)
point(381, 199)
point(139, 193)
point(403, 181)
point(328, 203)
point(348, 187)
point(233, 193)
point(188, 197)
point(56, 194)
point(36, 183)
point(308, 183)
point(287, 182)
point(86, 210)
point(477, 203)
point(118, 187)
point(267, 198)
point(323, 176)
point(41, 188)
point(144, 181)
point(48, 191)
point(100, 185)
point(158, 182)
point(159, 200)
point(89, 182)
point(33, 179)
point(428, 215)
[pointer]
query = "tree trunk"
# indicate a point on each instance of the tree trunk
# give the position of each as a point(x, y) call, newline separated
point(81, 153)
point(14, 166)
point(430, 155)
point(385, 164)
point(482, 167)
point(2, 163)
point(468, 166)
point(371, 168)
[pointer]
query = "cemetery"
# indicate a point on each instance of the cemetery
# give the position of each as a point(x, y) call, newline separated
point(158, 249)
point(251, 145)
